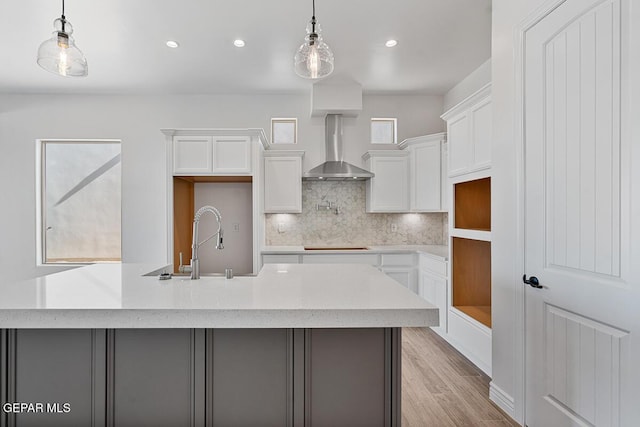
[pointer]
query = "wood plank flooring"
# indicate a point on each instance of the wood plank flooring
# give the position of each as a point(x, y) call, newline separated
point(441, 388)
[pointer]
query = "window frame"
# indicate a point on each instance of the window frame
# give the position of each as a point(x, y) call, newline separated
point(393, 121)
point(284, 120)
point(40, 195)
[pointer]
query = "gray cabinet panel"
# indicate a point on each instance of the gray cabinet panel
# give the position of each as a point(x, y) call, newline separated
point(156, 377)
point(57, 367)
point(347, 376)
point(250, 377)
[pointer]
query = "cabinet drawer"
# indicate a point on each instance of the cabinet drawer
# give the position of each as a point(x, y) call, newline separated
point(371, 259)
point(433, 265)
point(398, 259)
point(281, 259)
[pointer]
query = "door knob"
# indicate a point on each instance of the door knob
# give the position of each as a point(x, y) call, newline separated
point(532, 281)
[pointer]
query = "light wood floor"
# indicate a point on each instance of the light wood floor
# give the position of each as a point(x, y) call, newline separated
point(441, 388)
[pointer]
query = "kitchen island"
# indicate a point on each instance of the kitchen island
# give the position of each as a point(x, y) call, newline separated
point(296, 345)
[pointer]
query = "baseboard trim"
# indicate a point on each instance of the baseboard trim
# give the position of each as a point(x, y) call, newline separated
point(502, 399)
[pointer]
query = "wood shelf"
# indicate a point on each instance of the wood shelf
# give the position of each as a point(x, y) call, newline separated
point(481, 313)
point(473, 205)
point(471, 277)
point(471, 234)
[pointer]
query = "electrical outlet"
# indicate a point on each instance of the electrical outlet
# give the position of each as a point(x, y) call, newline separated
point(281, 227)
point(394, 228)
point(236, 226)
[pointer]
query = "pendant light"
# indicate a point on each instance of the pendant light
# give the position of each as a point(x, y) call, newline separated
point(59, 54)
point(314, 59)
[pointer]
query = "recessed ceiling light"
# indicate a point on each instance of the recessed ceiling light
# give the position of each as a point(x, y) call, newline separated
point(238, 43)
point(391, 43)
point(172, 44)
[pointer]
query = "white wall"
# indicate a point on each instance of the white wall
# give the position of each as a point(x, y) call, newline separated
point(470, 84)
point(506, 281)
point(137, 120)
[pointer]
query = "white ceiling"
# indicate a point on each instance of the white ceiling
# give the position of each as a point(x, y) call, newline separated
point(439, 43)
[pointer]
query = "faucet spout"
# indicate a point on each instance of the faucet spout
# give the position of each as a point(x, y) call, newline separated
point(195, 262)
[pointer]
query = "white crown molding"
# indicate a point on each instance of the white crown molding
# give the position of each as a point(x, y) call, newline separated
point(468, 102)
point(442, 136)
point(384, 153)
point(284, 153)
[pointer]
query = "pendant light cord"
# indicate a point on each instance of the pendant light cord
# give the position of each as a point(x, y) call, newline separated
point(313, 17)
point(64, 19)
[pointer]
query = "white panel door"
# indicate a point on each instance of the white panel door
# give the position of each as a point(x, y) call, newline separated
point(232, 155)
point(582, 324)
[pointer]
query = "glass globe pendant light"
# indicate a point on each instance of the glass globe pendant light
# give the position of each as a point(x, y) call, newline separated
point(314, 59)
point(59, 54)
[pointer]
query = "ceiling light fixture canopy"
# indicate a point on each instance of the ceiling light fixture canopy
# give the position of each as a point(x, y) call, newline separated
point(59, 54)
point(314, 59)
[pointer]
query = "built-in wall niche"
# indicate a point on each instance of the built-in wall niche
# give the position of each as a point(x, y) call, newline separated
point(473, 205)
point(472, 278)
point(471, 249)
point(232, 196)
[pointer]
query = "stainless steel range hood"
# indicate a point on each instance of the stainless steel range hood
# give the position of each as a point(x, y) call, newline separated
point(334, 168)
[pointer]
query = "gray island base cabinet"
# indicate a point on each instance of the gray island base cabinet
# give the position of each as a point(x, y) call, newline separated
point(202, 377)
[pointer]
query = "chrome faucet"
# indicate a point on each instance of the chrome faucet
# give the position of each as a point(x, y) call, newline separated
point(195, 262)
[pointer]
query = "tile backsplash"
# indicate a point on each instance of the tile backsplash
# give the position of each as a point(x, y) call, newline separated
point(351, 226)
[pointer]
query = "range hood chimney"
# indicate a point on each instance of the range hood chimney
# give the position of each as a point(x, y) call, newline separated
point(334, 168)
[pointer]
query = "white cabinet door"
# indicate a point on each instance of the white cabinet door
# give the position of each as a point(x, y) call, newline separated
point(444, 178)
point(481, 135)
point(192, 155)
point(459, 145)
point(469, 127)
point(426, 177)
point(283, 184)
point(232, 155)
point(434, 289)
point(405, 276)
point(388, 190)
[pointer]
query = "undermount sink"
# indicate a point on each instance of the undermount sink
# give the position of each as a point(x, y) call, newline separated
point(335, 248)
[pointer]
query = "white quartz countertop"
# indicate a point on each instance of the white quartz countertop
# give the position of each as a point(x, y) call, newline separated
point(437, 251)
point(280, 296)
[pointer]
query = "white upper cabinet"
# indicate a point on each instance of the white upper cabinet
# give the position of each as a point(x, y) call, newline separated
point(192, 155)
point(426, 170)
point(388, 190)
point(213, 152)
point(231, 155)
point(283, 181)
point(469, 127)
